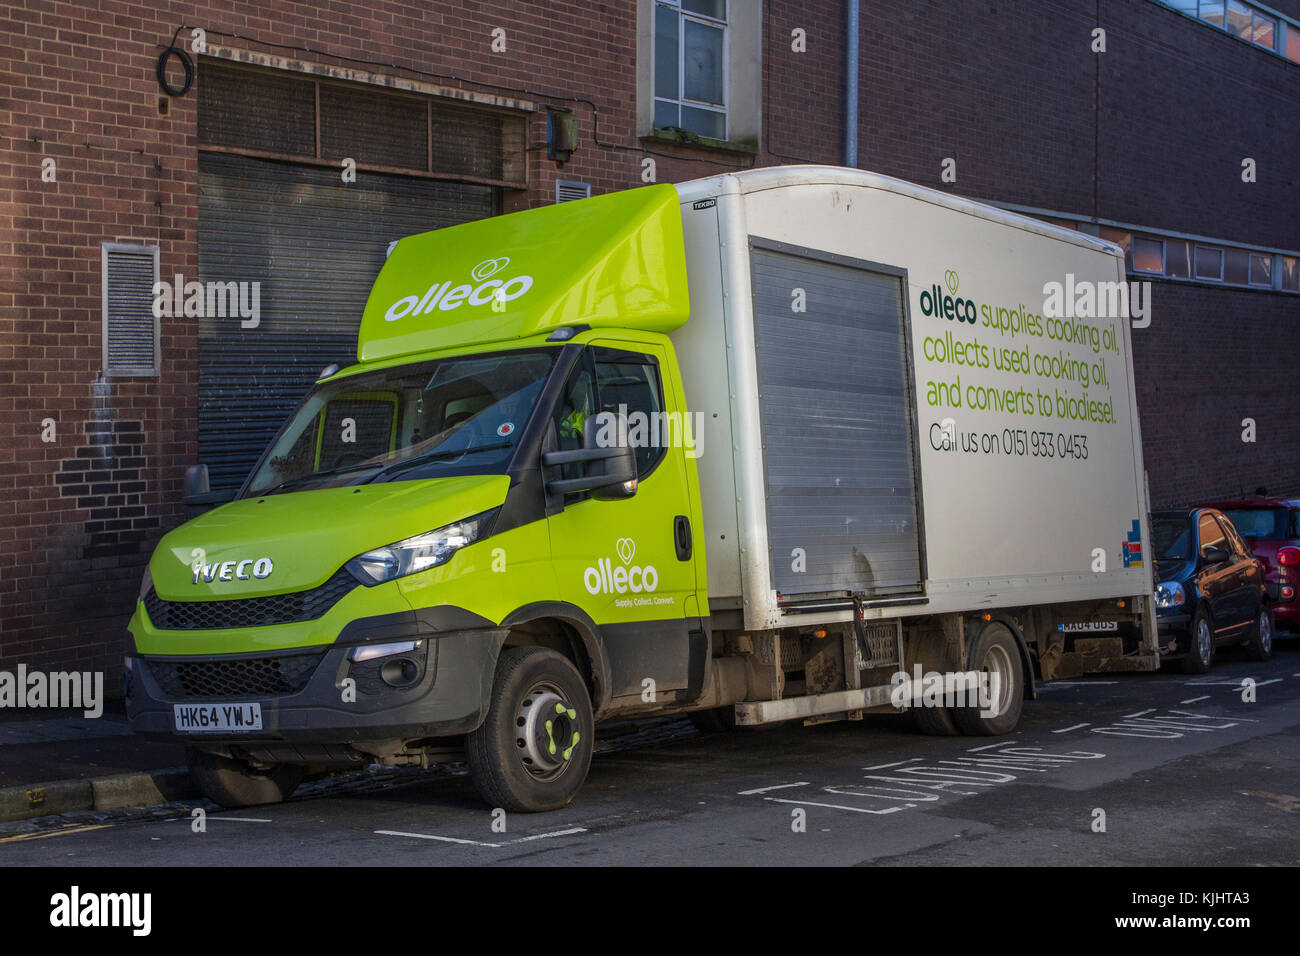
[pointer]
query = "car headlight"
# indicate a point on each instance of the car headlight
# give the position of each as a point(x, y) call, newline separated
point(421, 552)
point(146, 583)
point(1169, 595)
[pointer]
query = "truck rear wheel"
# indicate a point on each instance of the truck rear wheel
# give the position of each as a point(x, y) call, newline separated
point(534, 748)
point(995, 654)
point(235, 783)
point(935, 721)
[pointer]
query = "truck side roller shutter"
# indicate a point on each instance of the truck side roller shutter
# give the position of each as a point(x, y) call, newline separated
point(838, 429)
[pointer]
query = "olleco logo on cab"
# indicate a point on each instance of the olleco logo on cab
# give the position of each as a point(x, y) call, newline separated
point(446, 297)
point(606, 578)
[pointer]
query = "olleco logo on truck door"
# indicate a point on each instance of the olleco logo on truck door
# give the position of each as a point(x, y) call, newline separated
point(607, 579)
point(445, 297)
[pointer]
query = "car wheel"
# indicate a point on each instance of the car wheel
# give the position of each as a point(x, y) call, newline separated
point(534, 748)
point(1259, 647)
point(1200, 650)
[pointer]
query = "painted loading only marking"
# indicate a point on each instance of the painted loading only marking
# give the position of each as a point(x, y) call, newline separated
point(907, 784)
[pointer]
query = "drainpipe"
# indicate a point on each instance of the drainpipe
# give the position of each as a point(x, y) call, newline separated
point(851, 11)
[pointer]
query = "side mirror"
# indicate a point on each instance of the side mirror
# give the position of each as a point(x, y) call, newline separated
point(1214, 555)
point(609, 472)
point(198, 494)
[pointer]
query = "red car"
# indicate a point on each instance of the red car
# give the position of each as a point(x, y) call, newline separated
point(1271, 526)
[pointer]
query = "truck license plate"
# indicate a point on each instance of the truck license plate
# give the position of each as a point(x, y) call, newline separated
point(217, 718)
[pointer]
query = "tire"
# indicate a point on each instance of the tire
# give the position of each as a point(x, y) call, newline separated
point(1200, 648)
point(1259, 646)
point(518, 759)
point(995, 651)
point(717, 720)
point(935, 721)
point(234, 783)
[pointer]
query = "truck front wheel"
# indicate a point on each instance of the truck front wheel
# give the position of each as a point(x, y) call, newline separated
point(235, 783)
point(534, 748)
point(995, 658)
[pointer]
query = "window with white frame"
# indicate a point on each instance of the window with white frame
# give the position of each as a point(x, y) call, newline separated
point(691, 66)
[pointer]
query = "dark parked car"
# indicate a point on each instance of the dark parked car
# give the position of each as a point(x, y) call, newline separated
point(1210, 589)
point(1271, 526)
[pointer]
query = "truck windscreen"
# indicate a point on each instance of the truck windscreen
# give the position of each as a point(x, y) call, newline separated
point(452, 416)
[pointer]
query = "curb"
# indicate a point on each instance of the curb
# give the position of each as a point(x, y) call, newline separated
point(100, 793)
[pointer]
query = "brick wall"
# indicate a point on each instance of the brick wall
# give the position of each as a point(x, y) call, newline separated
point(1005, 87)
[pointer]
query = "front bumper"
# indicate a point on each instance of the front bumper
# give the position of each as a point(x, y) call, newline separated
point(316, 708)
point(1172, 632)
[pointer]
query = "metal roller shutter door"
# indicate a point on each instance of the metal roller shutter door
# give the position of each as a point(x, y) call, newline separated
point(837, 426)
point(315, 245)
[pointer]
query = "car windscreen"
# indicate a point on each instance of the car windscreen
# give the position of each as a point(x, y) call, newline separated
point(454, 416)
point(1171, 537)
point(1264, 523)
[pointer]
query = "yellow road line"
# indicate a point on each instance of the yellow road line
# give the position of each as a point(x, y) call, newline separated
point(53, 833)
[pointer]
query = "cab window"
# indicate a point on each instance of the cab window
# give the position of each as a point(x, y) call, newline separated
point(628, 383)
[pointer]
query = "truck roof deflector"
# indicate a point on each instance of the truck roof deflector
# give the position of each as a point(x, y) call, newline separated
point(611, 261)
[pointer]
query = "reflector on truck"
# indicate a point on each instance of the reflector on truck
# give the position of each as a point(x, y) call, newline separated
point(615, 261)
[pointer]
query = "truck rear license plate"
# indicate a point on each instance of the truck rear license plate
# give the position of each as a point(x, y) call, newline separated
point(217, 718)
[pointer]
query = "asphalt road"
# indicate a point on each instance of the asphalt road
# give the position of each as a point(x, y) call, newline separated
point(1181, 770)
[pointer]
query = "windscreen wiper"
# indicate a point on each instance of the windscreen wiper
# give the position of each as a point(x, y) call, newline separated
point(437, 456)
point(341, 469)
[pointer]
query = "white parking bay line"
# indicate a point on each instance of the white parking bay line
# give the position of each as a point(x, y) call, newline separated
point(779, 786)
point(1066, 730)
point(440, 839)
point(1140, 713)
point(1192, 700)
point(546, 836)
point(1265, 683)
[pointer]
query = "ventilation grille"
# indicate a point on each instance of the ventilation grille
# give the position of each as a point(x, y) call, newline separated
point(248, 612)
point(130, 329)
point(567, 190)
point(235, 677)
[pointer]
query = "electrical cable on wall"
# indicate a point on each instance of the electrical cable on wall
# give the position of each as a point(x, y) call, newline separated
point(187, 63)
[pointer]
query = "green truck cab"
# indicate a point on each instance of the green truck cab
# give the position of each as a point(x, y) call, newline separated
point(461, 534)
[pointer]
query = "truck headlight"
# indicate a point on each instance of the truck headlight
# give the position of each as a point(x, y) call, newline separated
point(421, 552)
point(146, 583)
point(1169, 596)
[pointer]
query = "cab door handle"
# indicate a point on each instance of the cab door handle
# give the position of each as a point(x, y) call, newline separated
point(682, 537)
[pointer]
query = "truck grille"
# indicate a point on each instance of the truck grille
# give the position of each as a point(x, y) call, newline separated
point(249, 612)
point(235, 677)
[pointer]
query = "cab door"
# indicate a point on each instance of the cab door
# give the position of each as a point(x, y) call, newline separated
point(1217, 581)
point(629, 563)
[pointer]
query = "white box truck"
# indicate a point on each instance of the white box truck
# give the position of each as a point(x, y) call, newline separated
point(793, 443)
